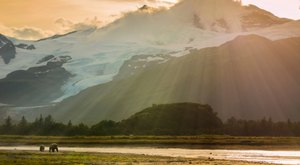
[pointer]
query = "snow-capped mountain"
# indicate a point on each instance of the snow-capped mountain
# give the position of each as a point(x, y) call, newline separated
point(95, 56)
point(250, 77)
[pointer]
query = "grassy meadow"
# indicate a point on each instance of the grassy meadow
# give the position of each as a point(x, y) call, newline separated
point(209, 141)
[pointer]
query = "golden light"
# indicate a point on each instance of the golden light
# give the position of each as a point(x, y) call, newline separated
point(170, 1)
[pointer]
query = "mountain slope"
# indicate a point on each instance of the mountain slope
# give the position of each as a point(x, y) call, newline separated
point(250, 77)
point(35, 86)
point(98, 54)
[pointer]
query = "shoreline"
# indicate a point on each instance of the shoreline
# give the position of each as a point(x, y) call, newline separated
point(70, 158)
point(202, 147)
point(190, 142)
point(247, 156)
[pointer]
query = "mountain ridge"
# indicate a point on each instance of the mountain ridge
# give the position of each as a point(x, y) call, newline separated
point(226, 83)
point(145, 45)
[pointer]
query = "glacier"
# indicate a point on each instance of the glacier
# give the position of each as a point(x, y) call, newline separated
point(98, 54)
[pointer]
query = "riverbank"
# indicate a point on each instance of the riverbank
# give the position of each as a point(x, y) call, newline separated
point(71, 158)
point(211, 149)
point(197, 142)
point(265, 156)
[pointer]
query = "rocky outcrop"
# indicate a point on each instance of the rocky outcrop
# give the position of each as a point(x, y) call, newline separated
point(45, 59)
point(51, 60)
point(257, 18)
point(58, 61)
point(138, 64)
point(35, 86)
point(25, 46)
point(226, 16)
point(56, 36)
point(7, 49)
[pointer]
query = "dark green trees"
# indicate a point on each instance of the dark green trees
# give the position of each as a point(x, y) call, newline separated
point(166, 119)
point(174, 119)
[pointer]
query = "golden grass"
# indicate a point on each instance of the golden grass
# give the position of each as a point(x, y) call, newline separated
point(72, 158)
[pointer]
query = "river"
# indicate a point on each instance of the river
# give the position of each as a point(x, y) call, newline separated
point(275, 157)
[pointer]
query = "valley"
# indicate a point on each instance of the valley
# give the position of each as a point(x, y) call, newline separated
point(212, 82)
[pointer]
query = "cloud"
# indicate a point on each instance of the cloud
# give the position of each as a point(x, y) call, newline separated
point(63, 26)
point(108, 13)
point(155, 3)
point(68, 25)
point(3, 29)
point(30, 33)
point(25, 33)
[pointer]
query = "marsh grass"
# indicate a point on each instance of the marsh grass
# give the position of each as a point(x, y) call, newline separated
point(205, 140)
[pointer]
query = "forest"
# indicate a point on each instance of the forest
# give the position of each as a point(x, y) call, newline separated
point(167, 119)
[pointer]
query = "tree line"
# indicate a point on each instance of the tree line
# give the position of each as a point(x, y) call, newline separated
point(49, 127)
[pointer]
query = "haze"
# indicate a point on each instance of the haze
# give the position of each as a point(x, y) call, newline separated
point(35, 19)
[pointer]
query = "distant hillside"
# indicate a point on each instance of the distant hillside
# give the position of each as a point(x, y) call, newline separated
point(177, 119)
point(249, 78)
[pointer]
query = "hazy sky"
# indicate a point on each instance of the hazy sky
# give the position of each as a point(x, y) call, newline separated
point(31, 19)
point(282, 8)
